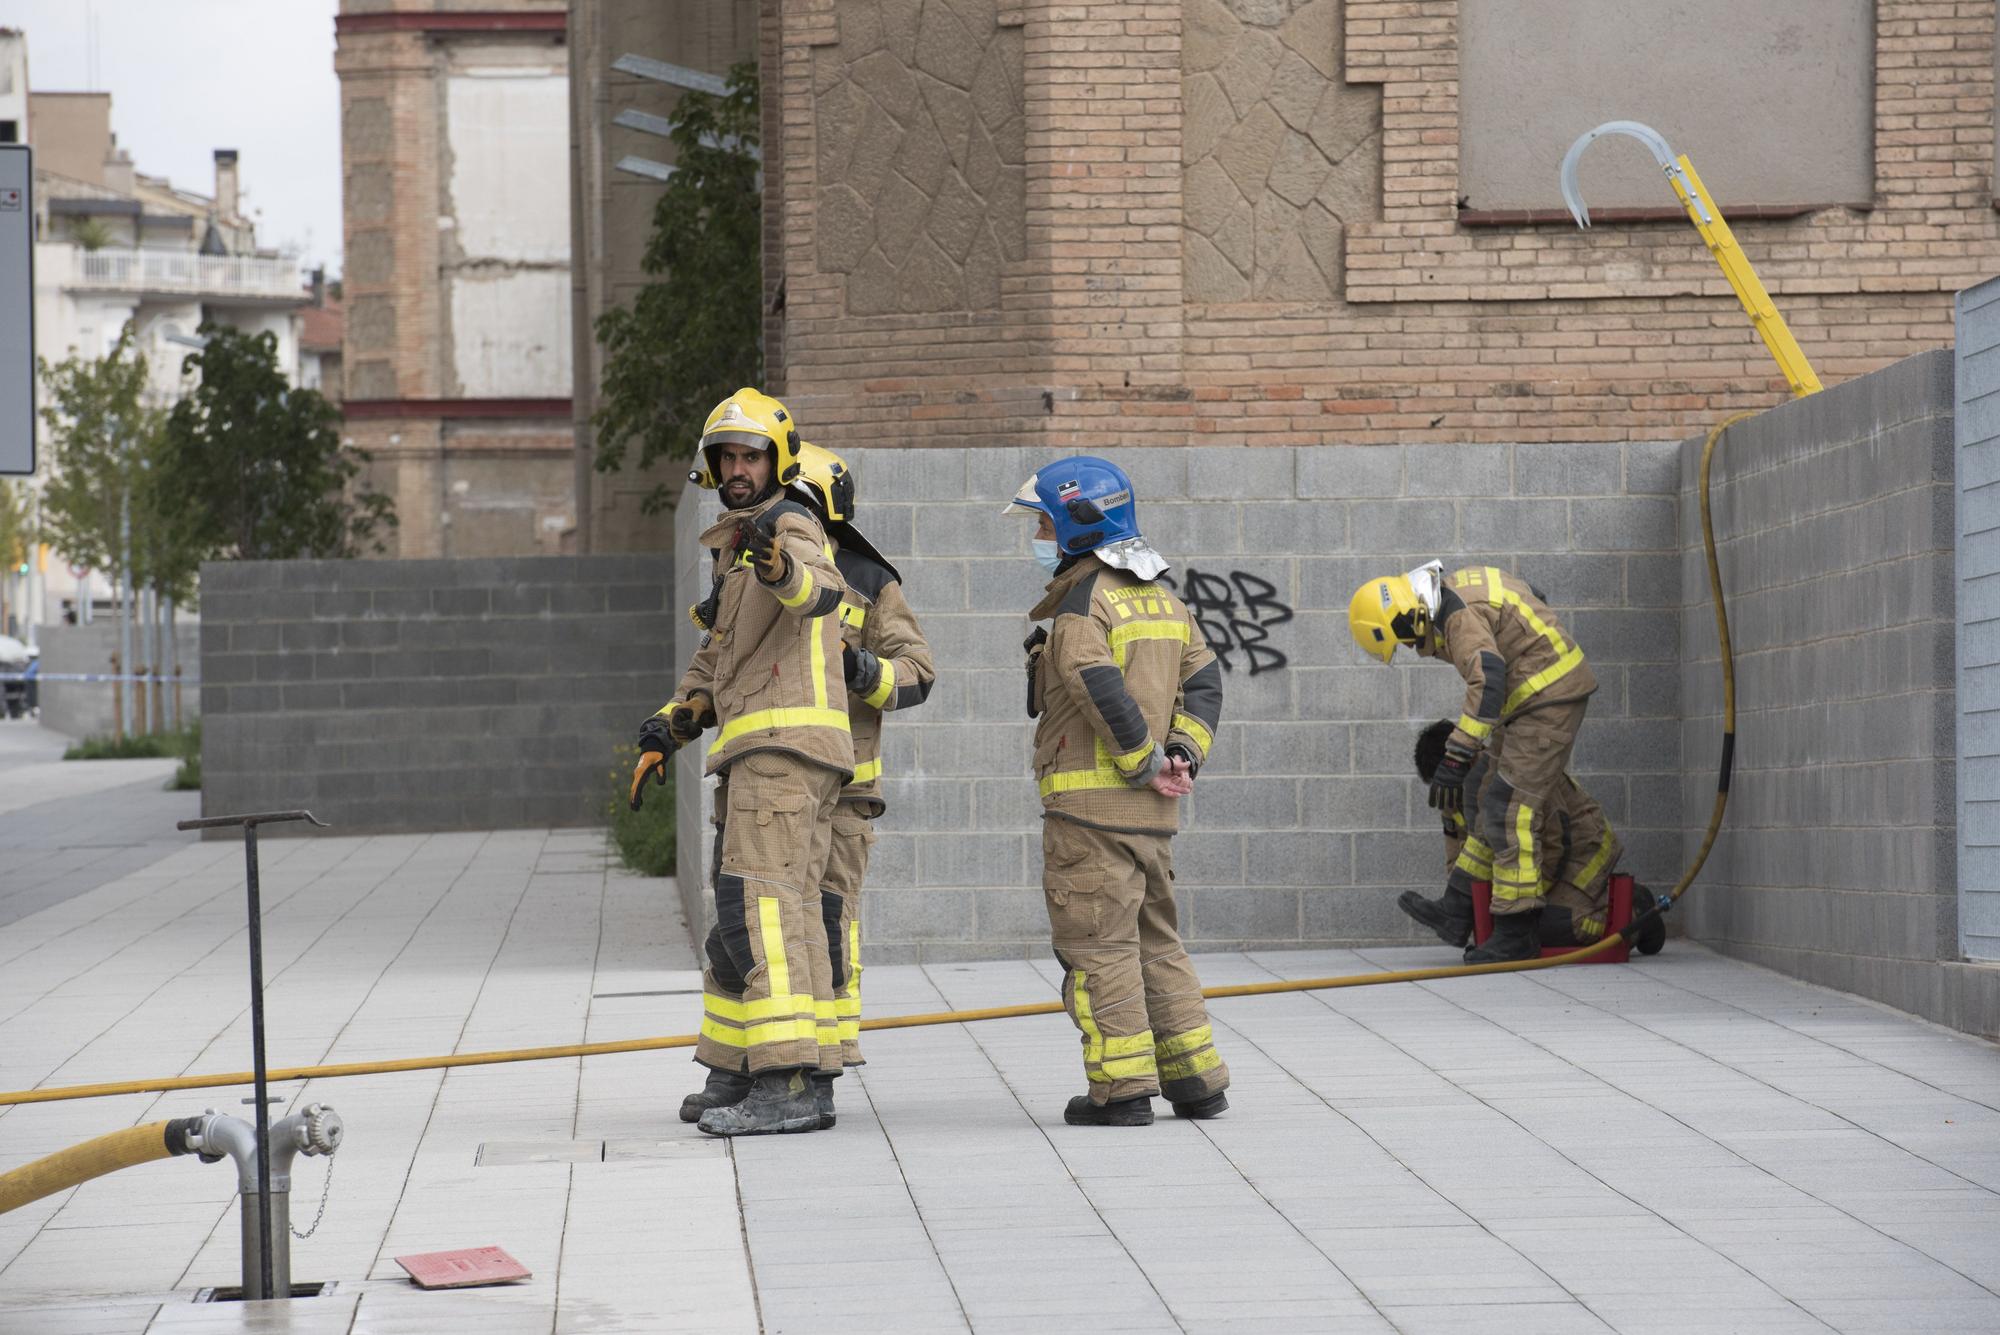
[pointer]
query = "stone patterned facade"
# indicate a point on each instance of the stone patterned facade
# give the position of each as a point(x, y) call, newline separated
point(921, 141)
point(1221, 246)
point(1282, 154)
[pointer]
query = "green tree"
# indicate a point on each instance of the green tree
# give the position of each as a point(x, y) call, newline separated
point(252, 468)
point(102, 434)
point(16, 534)
point(694, 335)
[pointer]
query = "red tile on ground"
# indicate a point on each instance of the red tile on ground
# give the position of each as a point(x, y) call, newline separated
point(462, 1268)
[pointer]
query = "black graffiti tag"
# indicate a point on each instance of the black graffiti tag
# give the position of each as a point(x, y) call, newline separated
point(1235, 613)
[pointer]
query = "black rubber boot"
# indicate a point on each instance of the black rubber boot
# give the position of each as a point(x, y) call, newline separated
point(1516, 936)
point(778, 1102)
point(1203, 1109)
point(723, 1088)
point(1450, 916)
point(1559, 928)
point(823, 1097)
point(1120, 1112)
point(1652, 936)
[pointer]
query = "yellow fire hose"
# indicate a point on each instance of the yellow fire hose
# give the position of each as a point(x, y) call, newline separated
point(93, 1158)
point(658, 1043)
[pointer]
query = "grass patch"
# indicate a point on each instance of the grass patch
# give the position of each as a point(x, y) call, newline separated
point(644, 838)
point(184, 746)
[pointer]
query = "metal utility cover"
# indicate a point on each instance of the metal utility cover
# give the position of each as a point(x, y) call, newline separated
point(495, 1153)
point(17, 311)
point(464, 1268)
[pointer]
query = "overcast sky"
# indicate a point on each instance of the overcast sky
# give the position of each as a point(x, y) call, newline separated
point(187, 77)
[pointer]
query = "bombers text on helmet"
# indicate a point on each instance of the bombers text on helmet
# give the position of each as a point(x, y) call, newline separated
point(826, 478)
point(749, 417)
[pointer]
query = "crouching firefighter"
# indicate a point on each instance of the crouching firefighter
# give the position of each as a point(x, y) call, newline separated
point(1127, 697)
point(887, 664)
point(768, 677)
point(1526, 690)
point(1579, 844)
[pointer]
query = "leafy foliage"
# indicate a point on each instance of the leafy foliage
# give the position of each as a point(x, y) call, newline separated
point(693, 336)
point(103, 436)
point(645, 839)
point(254, 467)
point(16, 533)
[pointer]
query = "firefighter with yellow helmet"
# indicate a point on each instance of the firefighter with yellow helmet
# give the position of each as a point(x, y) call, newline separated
point(1527, 687)
point(887, 664)
point(768, 677)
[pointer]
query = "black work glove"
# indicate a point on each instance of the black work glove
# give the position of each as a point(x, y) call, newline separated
point(763, 550)
point(673, 727)
point(1176, 751)
point(1033, 646)
point(1448, 780)
point(862, 669)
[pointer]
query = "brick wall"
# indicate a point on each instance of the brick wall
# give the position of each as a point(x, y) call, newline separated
point(1837, 860)
point(428, 695)
point(1307, 821)
point(1332, 294)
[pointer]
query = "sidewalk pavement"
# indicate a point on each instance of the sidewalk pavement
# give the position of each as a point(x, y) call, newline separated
point(1683, 1144)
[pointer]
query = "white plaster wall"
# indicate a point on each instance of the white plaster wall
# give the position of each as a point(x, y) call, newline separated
point(508, 135)
point(510, 331)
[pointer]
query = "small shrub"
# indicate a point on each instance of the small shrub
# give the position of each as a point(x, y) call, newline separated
point(644, 838)
point(188, 776)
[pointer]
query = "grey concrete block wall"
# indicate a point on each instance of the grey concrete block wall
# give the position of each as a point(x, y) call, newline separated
point(84, 708)
point(429, 695)
point(1308, 819)
point(1837, 862)
point(1977, 432)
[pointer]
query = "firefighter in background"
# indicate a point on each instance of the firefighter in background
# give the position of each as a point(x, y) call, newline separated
point(768, 676)
point(1127, 697)
point(1526, 690)
point(1581, 855)
point(888, 666)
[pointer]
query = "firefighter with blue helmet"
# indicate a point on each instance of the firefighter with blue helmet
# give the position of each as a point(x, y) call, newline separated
point(1127, 697)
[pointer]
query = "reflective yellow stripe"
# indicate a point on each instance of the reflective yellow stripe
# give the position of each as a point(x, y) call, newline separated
point(724, 1008)
point(850, 1000)
point(805, 589)
point(800, 717)
point(1521, 880)
point(1597, 860)
point(1479, 863)
point(1093, 1040)
point(1078, 779)
point(1126, 1045)
point(781, 1006)
point(853, 614)
point(1192, 726)
point(727, 1035)
point(1473, 728)
point(1179, 1043)
point(1124, 611)
point(1183, 1067)
point(884, 687)
point(819, 634)
point(1458, 820)
point(1130, 1068)
point(771, 923)
point(1131, 760)
point(1544, 679)
point(1121, 636)
point(867, 771)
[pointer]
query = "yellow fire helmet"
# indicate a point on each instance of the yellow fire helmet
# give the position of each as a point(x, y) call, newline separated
point(749, 417)
point(826, 476)
point(1385, 612)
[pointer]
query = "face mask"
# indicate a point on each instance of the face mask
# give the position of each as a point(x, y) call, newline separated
point(1047, 555)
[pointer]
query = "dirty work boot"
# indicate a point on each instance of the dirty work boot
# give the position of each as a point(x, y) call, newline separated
point(778, 1102)
point(1653, 935)
point(1202, 1109)
point(823, 1097)
point(723, 1088)
point(1450, 916)
point(1516, 936)
point(1558, 928)
point(1119, 1112)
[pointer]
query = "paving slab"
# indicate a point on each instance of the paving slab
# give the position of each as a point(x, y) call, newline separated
point(1686, 1143)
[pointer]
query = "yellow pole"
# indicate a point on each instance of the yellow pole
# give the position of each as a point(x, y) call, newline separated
point(1757, 303)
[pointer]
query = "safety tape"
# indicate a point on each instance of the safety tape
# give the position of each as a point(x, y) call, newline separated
point(97, 676)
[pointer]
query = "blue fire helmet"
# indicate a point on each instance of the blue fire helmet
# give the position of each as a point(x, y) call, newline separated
point(1091, 502)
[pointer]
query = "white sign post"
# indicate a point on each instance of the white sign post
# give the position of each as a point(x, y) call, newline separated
point(17, 311)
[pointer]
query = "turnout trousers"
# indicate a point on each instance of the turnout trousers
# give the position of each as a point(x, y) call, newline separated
point(1526, 797)
point(1127, 982)
point(767, 991)
point(840, 904)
